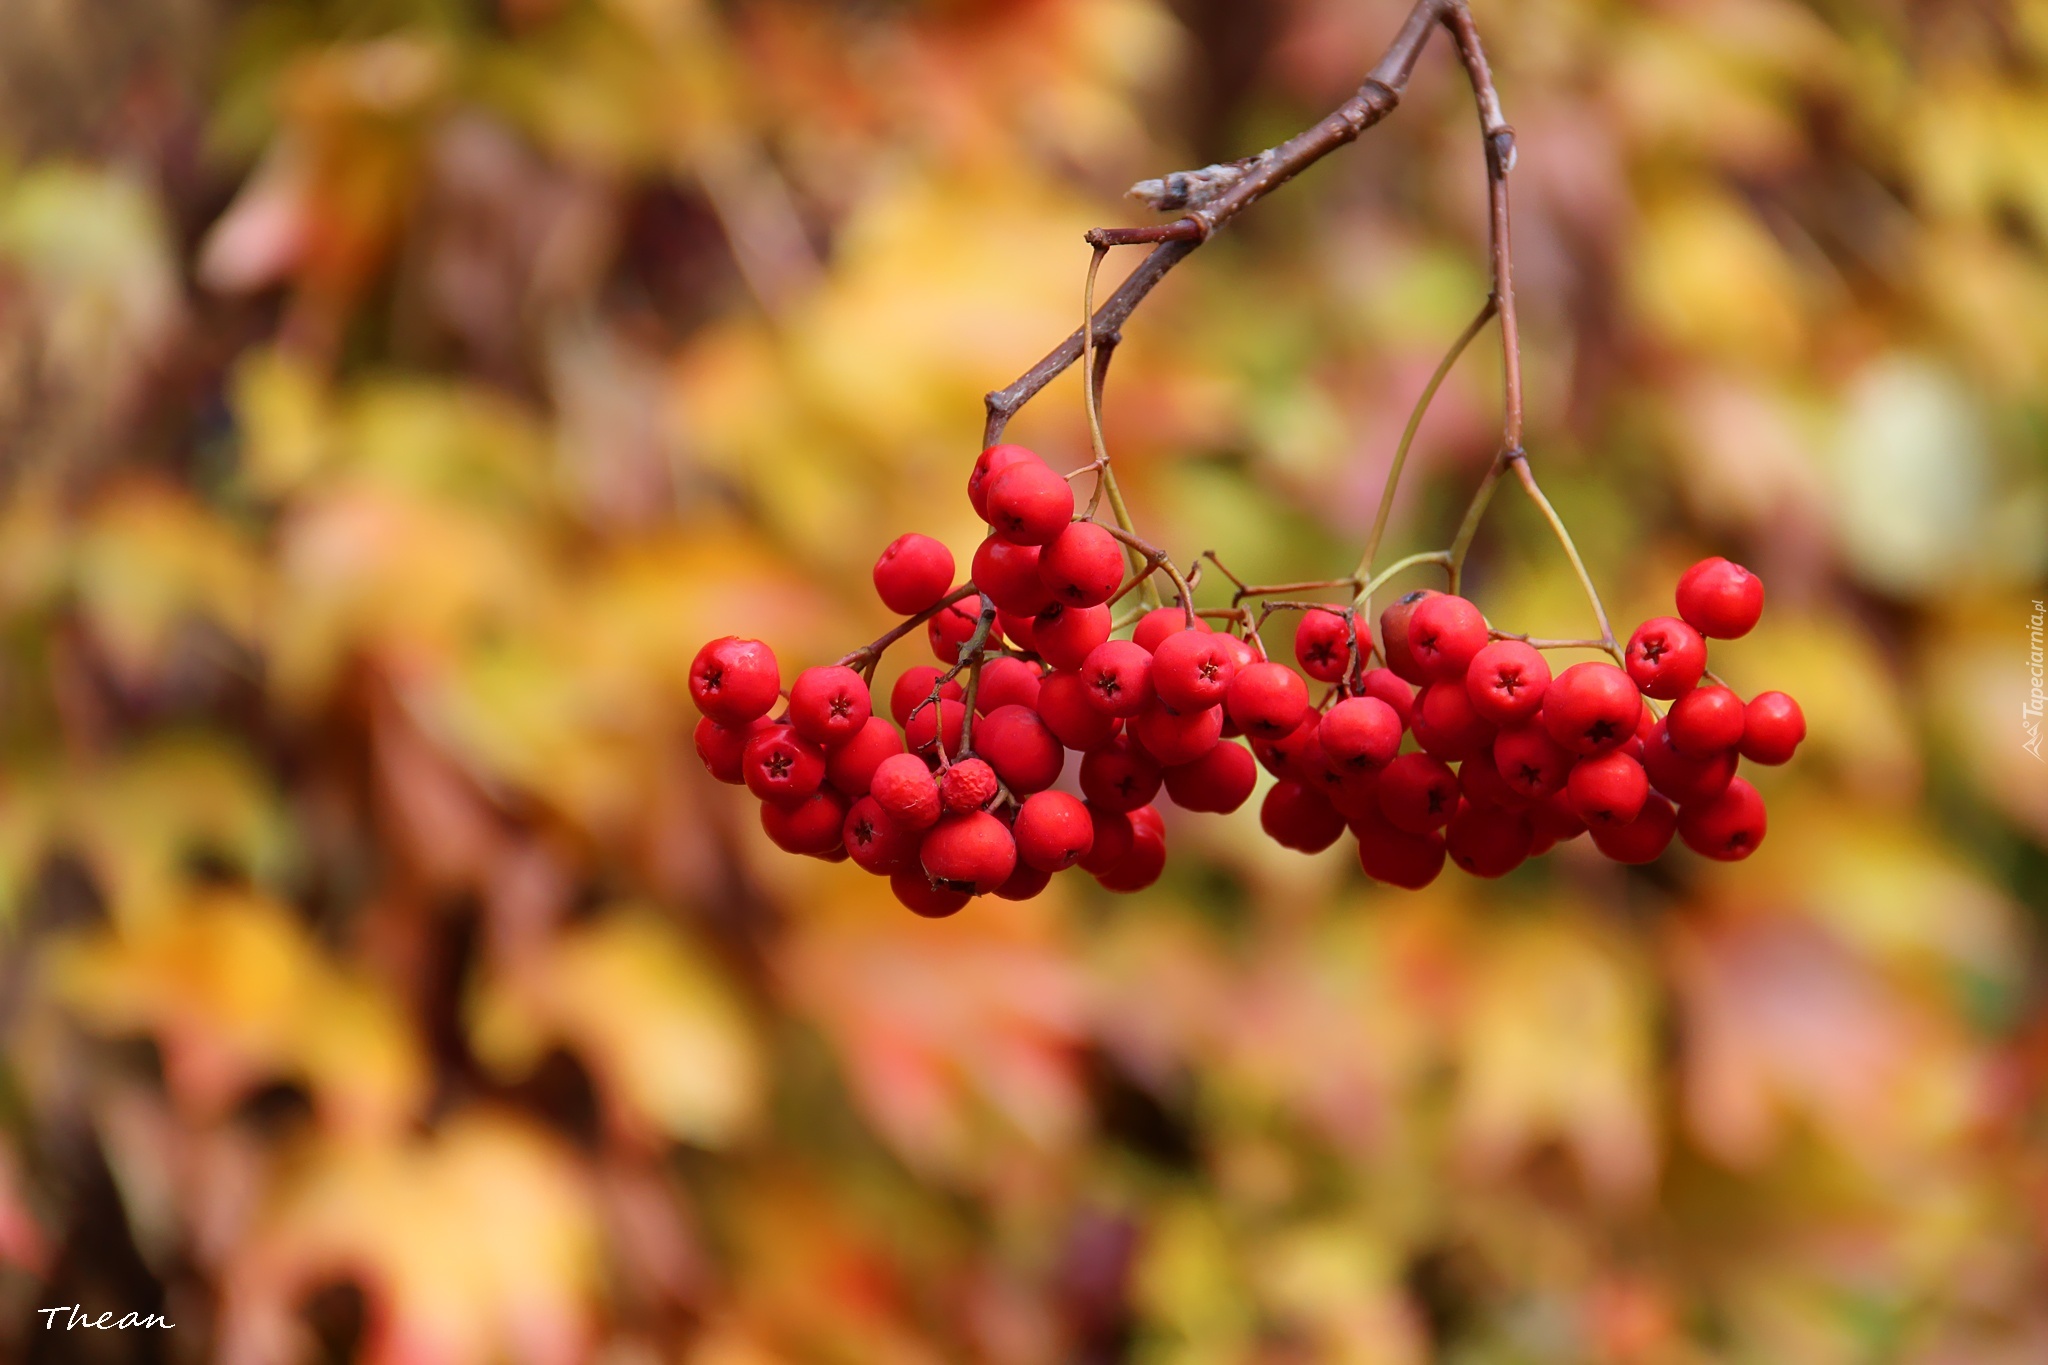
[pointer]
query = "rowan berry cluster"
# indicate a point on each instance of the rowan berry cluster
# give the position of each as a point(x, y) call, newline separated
point(952, 795)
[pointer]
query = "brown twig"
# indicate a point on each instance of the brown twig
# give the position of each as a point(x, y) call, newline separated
point(868, 655)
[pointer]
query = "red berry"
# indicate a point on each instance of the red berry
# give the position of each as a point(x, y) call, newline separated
point(1053, 831)
point(1064, 707)
point(967, 785)
point(1506, 681)
point(812, 826)
point(1082, 566)
point(1118, 676)
point(1642, 839)
point(1705, 721)
point(1020, 631)
point(1388, 686)
point(1019, 746)
point(1008, 576)
point(875, 841)
point(1555, 820)
point(1219, 781)
point(782, 767)
point(1176, 737)
point(972, 852)
point(1064, 635)
point(1005, 682)
point(1395, 856)
point(851, 766)
point(992, 462)
point(953, 625)
point(1359, 733)
point(934, 726)
point(1446, 723)
point(1028, 504)
point(1444, 634)
point(1720, 600)
point(722, 747)
point(1267, 700)
point(1160, 622)
point(907, 792)
point(1591, 708)
point(1418, 793)
point(1192, 669)
point(829, 705)
point(1355, 791)
point(1024, 883)
point(1683, 778)
point(916, 892)
point(1530, 761)
point(1489, 841)
point(1119, 775)
point(1772, 728)
point(1666, 658)
point(1607, 790)
point(1480, 780)
point(1297, 755)
point(1322, 644)
point(1299, 818)
point(914, 687)
point(1141, 865)
point(1112, 839)
point(1727, 828)
point(734, 680)
point(913, 572)
point(1394, 648)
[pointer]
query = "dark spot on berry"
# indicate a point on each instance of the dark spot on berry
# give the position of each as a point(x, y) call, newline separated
point(1436, 801)
point(714, 678)
point(1600, 731)
point(1653, 650)
point(779, 766)
point(864, 831)
point(1531, 775)
point(842, 706)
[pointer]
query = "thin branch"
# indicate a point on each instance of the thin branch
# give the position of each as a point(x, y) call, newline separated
point(868, 655)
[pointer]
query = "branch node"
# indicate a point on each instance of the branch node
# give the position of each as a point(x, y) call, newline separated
point(1500, 152)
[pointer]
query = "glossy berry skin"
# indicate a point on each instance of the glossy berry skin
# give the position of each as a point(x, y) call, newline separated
point(1192, 669)
point(907, 792)
point(1064, 707)
point(829, 705)
point(1489, 841)
point(875, 842)
point(917, 893)
point(913, 572)
point(1418, 793)
point(1155, 625)
point(1020, 631)
point(990, 463)
point(915, 686)
point(1082, 566)
point(1218, 782)
point(1359, 734)
point(1390, 688)
point(1397, 857)
point(972, 852)
point(1444, 635)
point(1065, 635)
point(1006, 682)
point(933, 726)
point(1720, 600)
point(1666, 658)
point(1024, 883)
point(1267, 700)
point(1555, 820)
point(1706, 721)
point(1591, 708)
point(1401, 660)
point(734, 680)
point(1021, 749)
point(722, 747)
point(1322, 645)
point(1028, 504)
point(1113, 838)
point(1682, 777)
point(1142, 863)
point(1053, 831)
point(966, 785)
point(954, 625)
point(1607, 790)
point(1118, 678)
point(1298, 755)
point(1772, 728)
point(1506, 681)
point(1531, 762)
point(1294, 816)
point(1727, 828)
point(1176, 737)
point(1119, 775)
point(780, 766)
point(1008, 576)
point(851, 766)
point(1642, 839)
point(1447, 725)
point(811, 826)
point(1480, 781)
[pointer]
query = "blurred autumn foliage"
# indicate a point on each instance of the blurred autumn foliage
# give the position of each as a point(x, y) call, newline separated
point(394, 392)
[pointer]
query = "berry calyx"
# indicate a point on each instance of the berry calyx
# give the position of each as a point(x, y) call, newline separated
point(1118, 677)
point(782, 767)
point(1054, 831)
point(1773, 727)
point(1729, 827)
point(1506, 681)
point(829, 705)
point(875, 841)
point(1192, 670)
point(1444, 634)
point(913, 572)
point(1666, 658)
point(1531, 762)
point(1706, 721)
point(1082, 566)
point(733, 680)
point(1720, 599)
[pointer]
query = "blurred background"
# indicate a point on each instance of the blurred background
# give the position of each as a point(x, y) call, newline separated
point(394, 393)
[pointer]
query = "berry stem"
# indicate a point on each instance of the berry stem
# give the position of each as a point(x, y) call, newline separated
point(868, 655)
point(1571, 550)
point(1091, 383)
point(1150, 558)
point(1401, 566)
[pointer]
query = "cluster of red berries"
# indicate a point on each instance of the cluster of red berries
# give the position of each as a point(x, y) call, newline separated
point(1508, 760)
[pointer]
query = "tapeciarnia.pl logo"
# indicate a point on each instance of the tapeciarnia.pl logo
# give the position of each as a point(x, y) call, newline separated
point(2030, 710)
